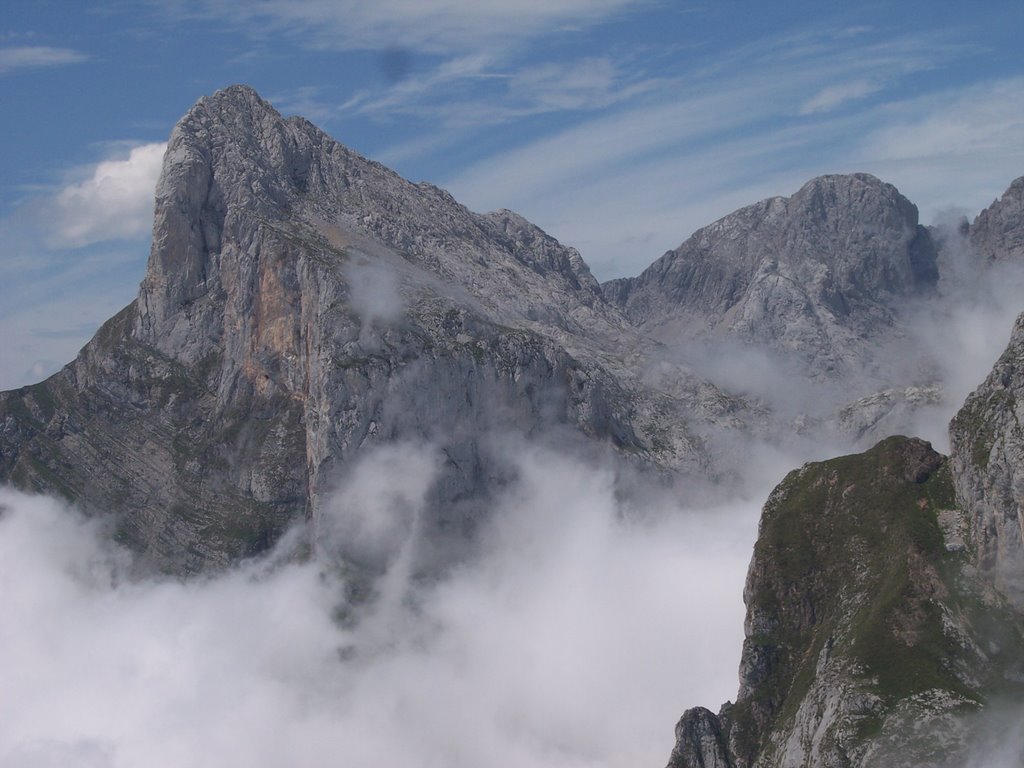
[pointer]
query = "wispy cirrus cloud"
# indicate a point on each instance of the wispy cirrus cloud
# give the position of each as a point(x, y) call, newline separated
point(454, 65)
point(444, 26)
point(832, 96)
point(964, 121)
point(958, 147)
point(481, 90)
point(36, 57)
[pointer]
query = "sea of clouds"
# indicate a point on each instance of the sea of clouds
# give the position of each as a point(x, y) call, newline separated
point(574, 636)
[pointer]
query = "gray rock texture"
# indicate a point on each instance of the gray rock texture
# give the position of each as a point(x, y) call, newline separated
point(700, 741)
point(987, 443)
point(817, 277)
point(302, 304)
point(997, 233)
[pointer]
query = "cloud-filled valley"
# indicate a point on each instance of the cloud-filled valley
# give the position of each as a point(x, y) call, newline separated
point(569, 638)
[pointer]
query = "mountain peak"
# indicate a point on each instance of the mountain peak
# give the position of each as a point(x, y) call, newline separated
point(234, 124)
point(856, 193)
point(843, 180)
point(301, 302)
point(812, 276)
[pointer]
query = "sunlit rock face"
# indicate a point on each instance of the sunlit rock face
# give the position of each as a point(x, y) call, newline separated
point(871, 637)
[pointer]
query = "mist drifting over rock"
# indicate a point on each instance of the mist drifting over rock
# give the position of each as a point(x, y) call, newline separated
point(393, 481)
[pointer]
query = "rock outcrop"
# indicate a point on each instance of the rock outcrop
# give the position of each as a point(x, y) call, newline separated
point(817, 277)
point(870, 638)
point(987, 444)
point(997, 234)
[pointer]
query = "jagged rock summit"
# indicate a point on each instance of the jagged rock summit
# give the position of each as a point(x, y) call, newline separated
point(997, 234)
point(233, 163)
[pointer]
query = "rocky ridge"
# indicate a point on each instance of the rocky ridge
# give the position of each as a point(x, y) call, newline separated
point(302, 304)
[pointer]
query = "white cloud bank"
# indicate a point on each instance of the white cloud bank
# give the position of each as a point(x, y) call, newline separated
point(115, 202)
point(576, 638)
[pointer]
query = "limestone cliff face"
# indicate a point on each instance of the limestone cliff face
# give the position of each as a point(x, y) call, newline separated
point(301, 304)
point(987, 443)
point(816, 276)
point(870, 637)
point(997, 234)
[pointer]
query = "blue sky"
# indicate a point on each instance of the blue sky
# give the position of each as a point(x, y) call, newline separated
point(619, 126)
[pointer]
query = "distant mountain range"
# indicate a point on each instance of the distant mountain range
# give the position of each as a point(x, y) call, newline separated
point(302, 304)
